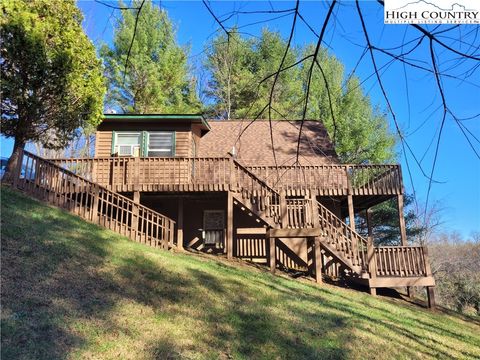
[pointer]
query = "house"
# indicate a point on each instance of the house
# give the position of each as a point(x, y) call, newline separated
point(252, 190)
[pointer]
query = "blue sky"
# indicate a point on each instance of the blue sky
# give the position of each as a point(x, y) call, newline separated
point(413, 94)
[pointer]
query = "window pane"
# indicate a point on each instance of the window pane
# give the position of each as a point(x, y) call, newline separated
point(127, 143)
point(161, 143)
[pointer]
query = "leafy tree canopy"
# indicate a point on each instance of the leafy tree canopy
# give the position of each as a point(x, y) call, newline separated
point(52, 81)
point(156, 79)
point(237, 65)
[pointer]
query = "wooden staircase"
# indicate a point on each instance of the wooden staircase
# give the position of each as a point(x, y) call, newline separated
point(54, 185)
point(305, 217)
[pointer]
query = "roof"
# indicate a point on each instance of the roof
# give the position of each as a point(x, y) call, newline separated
point(255, 148)
point(190, 118)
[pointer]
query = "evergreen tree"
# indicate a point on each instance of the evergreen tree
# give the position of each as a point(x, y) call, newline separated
point(157, 78)
point(52, 81)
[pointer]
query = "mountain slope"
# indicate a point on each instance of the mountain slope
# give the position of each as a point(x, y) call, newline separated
point(73, 290)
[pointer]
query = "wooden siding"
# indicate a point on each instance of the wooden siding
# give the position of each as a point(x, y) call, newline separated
point(103, 144)
point(183, 136)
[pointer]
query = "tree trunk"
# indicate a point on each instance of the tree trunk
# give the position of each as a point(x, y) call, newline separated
point(13, 161)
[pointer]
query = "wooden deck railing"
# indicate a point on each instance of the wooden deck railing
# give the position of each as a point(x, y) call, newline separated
point(341, 236)
point(401, 261)
point(154, 173)
point(93, 202)
point(217, 174)
point(333, 179)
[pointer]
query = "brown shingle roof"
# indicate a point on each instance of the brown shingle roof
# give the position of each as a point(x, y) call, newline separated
point(254, 146)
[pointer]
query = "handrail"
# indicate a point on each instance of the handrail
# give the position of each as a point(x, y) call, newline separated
point(343, 237)
point(49, 182)
point(401, 261)
point(257, 192)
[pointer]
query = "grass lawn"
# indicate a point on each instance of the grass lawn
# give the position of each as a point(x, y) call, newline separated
point(73, 290)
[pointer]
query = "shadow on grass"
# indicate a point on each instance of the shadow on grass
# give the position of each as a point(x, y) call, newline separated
point(57, 270)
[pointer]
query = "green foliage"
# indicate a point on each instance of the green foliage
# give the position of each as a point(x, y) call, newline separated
point(52, 81)
point(238, 65)
point(385, 222)
point(156, 80)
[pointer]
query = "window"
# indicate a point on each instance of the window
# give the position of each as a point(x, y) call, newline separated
point(127, 144)
point(161, 143)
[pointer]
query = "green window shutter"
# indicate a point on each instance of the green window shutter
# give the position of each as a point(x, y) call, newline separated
point(114, 138)
point(174, 143)
point(144, 143)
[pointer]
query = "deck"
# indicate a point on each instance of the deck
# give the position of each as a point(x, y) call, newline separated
point(180, 174)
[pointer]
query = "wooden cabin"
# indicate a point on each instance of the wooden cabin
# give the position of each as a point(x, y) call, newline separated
point(244, 189)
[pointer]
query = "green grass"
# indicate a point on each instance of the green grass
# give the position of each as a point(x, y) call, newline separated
point(73, 290)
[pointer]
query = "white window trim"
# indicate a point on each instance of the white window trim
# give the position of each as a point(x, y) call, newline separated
point(132, 147)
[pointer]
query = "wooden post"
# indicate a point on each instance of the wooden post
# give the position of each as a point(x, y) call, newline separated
point(428, 272)
point(318, 259)
point(180, 224)
point(233, 176)
point(136, 173)
point(283, 209)
point(401, 218)
point(431, 297)
point(95, 195)
point(135, 214)
point(229, 225)
point(372, 263)
point(272, 255)
point(351, 214)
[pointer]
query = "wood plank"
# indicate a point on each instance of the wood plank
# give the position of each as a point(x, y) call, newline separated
point(386, 281)
point(251, 231)
point(288, 233)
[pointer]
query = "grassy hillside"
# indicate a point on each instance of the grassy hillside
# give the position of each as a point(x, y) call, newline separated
point(74, 290)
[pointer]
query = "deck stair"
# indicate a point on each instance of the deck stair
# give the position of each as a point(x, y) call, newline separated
point(57, 186)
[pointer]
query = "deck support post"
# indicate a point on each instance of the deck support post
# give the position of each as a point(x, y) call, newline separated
point(351, 214)
point(272, 256)
point(317, 259)
point(401, 219)
point(430, 297)
point(180, 224)
point(372, 262)
point(229, 225)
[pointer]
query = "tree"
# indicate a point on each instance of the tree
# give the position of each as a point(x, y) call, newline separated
point(385, 226)
point(358, 130)
point(230, 62)
point(147, 72)
point(237, 64)
point(456, 267)
point(52, 81)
